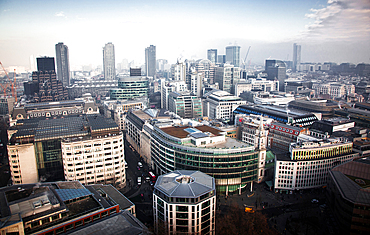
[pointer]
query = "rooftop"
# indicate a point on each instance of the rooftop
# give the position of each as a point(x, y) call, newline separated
point(69, 126)
point(363, 142)
point(181, 131)
point(353, 180)
point(34, 201)
point(143, 115)
point(46, 105)
point(98, 122)
point(277, 110)
point(121, 223)
point(185, 184)
point(114, 194)
point(278, 124)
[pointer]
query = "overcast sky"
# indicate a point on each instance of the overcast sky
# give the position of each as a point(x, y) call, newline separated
point(337, 31)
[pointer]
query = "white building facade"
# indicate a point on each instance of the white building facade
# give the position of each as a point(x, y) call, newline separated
point(95, 160)
point(169, 86)
point(22, 162)
point(335, 90)
point(309, 164)
point(256, 84)
point(184, 202)
point(220, 105)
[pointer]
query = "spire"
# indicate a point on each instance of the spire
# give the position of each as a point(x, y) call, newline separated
point(261, 135)
point(261, 129)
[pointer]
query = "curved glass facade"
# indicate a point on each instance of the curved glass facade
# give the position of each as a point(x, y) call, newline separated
point(232, 168)
point(130, 88)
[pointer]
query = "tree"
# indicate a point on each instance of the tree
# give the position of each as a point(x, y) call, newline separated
point(237, 222)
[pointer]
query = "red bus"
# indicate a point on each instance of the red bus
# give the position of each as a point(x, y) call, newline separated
point(152, 176)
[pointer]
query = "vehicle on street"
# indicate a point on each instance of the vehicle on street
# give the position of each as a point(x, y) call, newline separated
point(152, 176)
point(248, 209)
point(139, 180)
point(314, 201)
point(126, 165)
point(140, 164)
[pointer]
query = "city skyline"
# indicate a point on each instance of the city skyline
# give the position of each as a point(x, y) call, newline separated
point(335, 31)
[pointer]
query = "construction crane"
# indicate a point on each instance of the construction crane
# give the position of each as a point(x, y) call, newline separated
point(245, 60)
point(13, 84)
point(14, 87)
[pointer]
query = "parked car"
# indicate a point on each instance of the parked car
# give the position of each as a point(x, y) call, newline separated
point(139, 180)
point(140, 164)
point(314, 201)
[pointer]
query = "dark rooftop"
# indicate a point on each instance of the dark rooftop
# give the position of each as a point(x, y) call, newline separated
point(115, 195)
point(98, 122)
point(65, 127)
point(120, 223)
point(45, 105)
point(353, 180)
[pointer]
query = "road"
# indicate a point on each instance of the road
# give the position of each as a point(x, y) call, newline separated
point(140, 195)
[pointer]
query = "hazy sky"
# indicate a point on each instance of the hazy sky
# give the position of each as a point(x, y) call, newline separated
point(337, 31)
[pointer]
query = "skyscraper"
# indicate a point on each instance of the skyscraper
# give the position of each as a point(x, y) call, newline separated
point(227, 76)
point(233, 55)
point(296, 56)
point(212, 55)
point(221, 59)
point(45, 64)
point(150, 61)
point(109, 64)
point(62, 56)
point(276, 70)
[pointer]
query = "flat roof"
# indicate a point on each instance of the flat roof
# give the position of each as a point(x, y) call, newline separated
point(142, 115)
point(20, 199)
point(113, 193)
point(63, 127)
point(274, 109)
point(286, 126)
point(45, 105)
point(181, 131)
point(120, 223)
point(185, 184)
point(359, 111)
point(98, 122)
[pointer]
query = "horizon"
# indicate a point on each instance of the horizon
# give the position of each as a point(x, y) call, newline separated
point(328, 31)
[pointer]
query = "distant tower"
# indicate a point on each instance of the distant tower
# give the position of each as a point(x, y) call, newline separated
point(276, 70)
point(150, 61)
point(32, 63)
point(178, 71)
point(296, 56)
point(135, 72)
point(212, 55)
point(233, 55)
point(221, 59)
point(62, 57)
point(109, 64)
point(45, 64)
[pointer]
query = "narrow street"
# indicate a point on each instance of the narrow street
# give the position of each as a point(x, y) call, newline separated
point(140, 195)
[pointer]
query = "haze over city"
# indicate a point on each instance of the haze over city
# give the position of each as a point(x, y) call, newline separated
point(336, 31)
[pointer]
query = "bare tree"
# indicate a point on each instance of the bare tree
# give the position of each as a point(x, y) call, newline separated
point(237, 222)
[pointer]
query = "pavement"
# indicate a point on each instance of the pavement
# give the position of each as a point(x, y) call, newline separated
point(287, 213)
